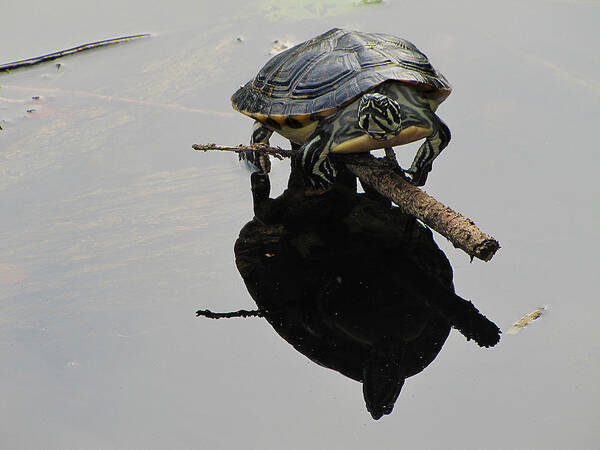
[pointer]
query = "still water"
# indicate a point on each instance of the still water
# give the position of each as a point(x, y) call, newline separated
point(113, 232)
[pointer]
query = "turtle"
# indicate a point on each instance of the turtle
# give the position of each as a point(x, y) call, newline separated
point(347, 92)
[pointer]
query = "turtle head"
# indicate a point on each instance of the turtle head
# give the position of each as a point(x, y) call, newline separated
point(379, 116)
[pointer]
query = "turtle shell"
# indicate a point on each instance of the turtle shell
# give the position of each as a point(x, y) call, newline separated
point(333, 69)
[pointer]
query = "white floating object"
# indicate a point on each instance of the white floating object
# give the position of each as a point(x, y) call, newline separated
point(525, 320)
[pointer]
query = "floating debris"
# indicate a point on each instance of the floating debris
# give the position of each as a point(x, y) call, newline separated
point(279, 46)
point(525, 320)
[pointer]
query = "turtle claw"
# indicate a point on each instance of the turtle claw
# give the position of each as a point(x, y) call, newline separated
point(418, 177)
point(416, 181)
point(390, 156)
point(258, 160)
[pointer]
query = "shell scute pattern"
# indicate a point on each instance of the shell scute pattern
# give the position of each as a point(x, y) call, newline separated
point(331, 70)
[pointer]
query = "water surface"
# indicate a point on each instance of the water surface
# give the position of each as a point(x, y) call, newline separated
point(114, 232)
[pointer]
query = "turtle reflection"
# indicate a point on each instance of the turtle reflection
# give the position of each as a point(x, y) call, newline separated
point(354, 284)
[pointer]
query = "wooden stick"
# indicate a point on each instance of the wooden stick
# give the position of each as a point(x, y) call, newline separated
point(459, 230)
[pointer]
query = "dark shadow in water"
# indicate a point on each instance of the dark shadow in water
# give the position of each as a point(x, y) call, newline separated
point(354, 284)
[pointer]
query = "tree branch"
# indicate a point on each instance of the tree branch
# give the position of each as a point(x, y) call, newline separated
point(389, 182)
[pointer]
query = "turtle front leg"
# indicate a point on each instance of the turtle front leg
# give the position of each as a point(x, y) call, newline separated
point(317, 170)
point(390, 156)
point(429, 150)
point(260, 134)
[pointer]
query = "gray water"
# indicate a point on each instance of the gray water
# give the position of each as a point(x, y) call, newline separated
point(113, 231)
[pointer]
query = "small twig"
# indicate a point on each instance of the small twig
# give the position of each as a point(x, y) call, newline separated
point(228, 315)
point(277, 152)
point(281, 153)
point(459, 230)
point(59, 54)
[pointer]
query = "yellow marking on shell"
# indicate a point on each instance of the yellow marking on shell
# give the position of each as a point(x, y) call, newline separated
point(302, 118)
point(297, 135)
point(366, 143)
point(280, 120)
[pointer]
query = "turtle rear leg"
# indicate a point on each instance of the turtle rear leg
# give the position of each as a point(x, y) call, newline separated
point(429, 150)
point(260, 134)
point(342, 175)
point(317, 170)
